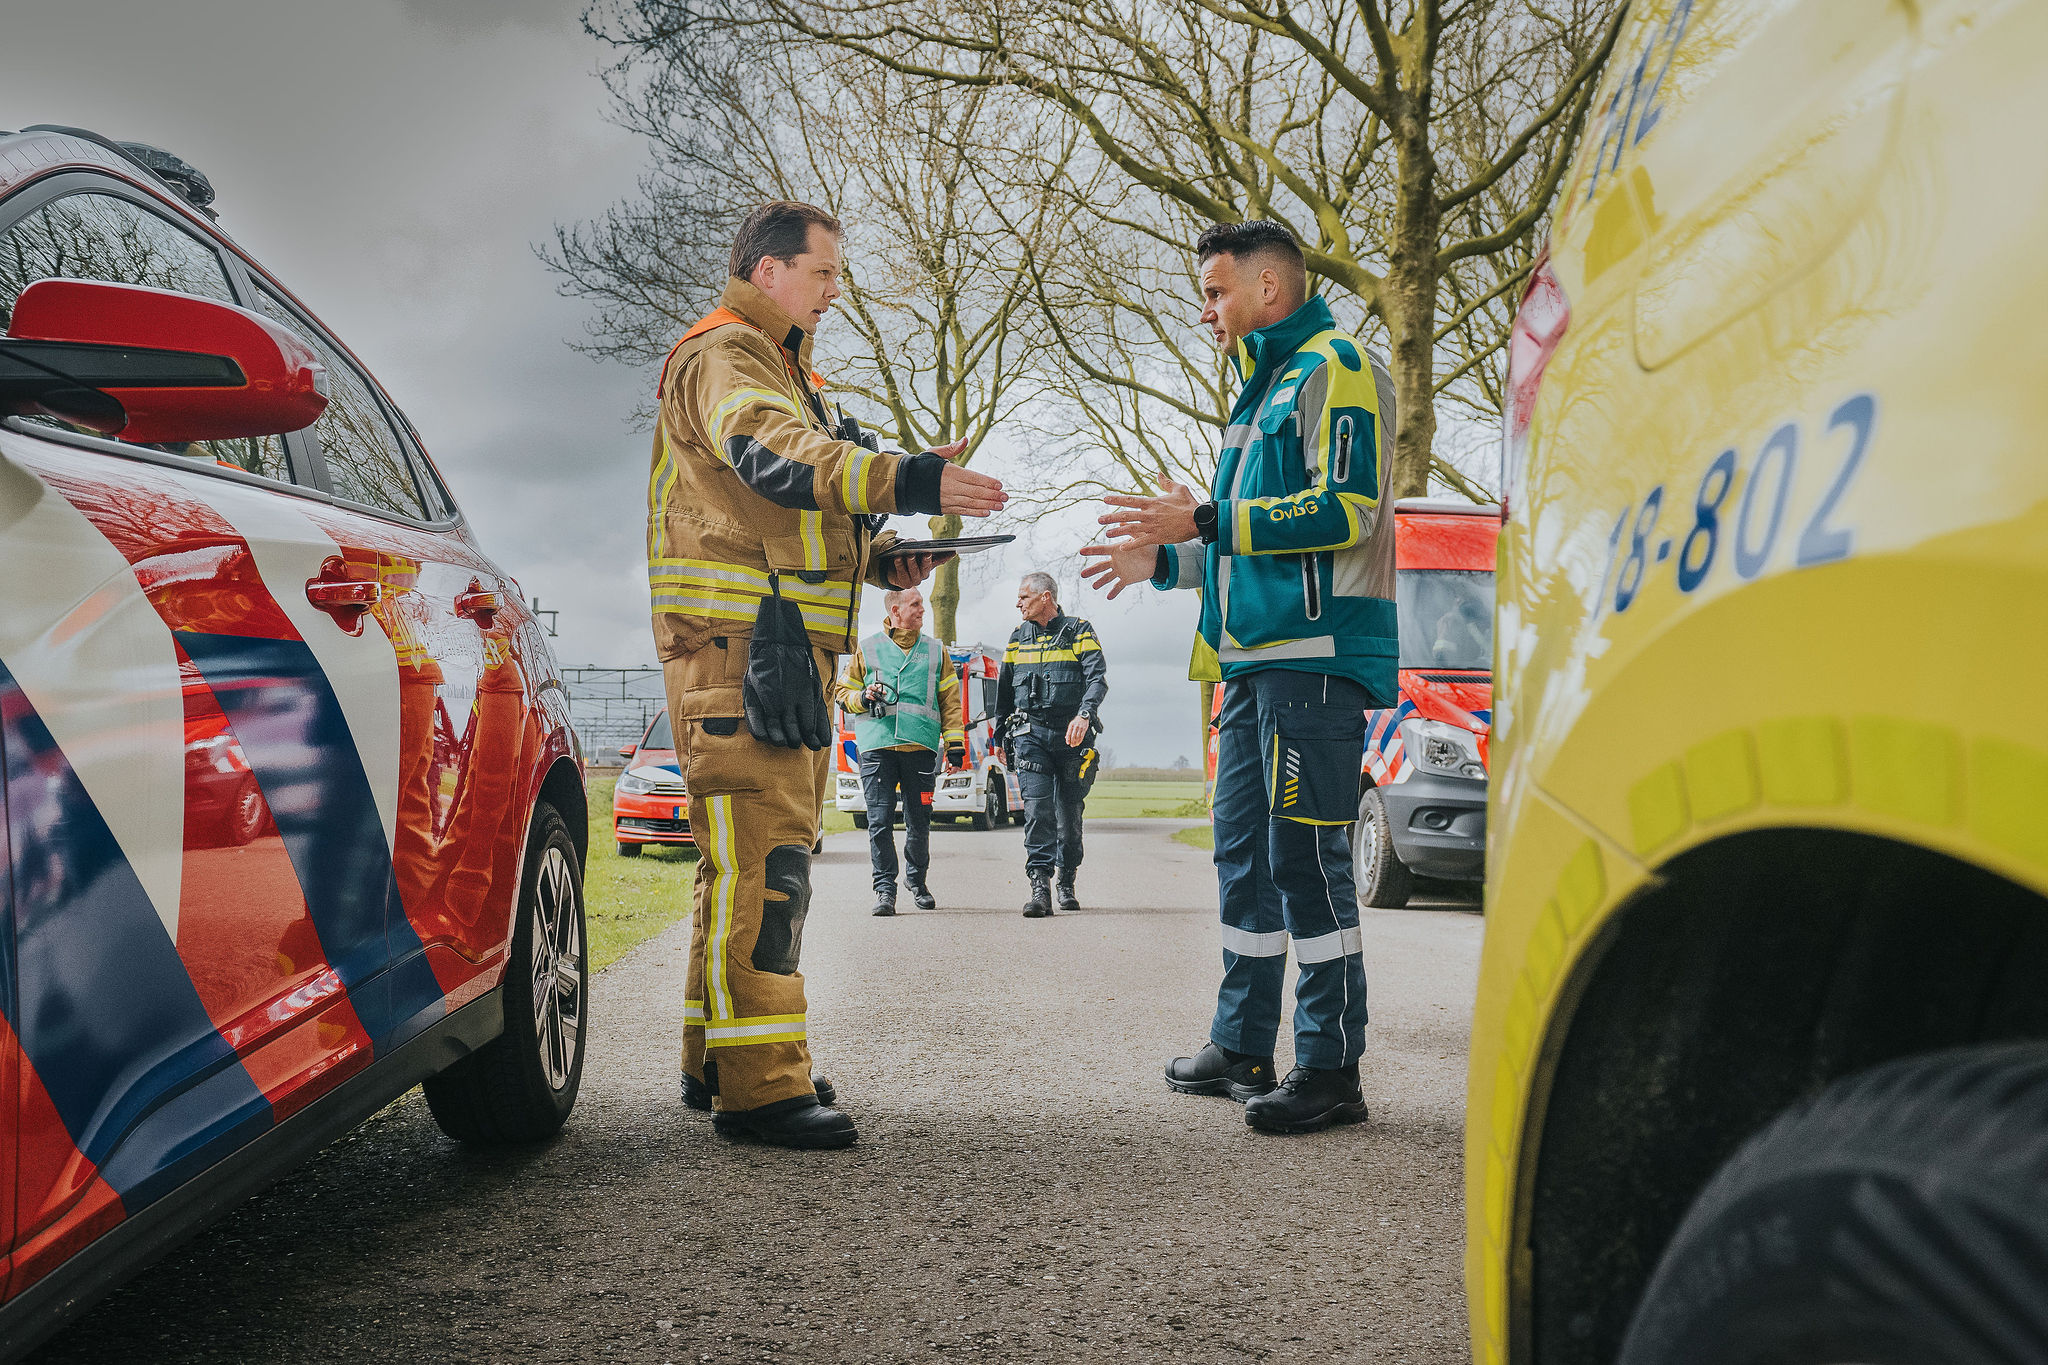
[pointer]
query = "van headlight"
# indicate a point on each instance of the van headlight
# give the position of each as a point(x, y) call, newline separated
point(1440, 747)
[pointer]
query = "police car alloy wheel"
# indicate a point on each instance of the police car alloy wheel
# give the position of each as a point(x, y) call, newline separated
point(520, 1086)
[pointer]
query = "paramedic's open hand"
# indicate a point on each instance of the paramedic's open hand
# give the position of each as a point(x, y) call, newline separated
point(1122, 564)
point(1077, 732)
point(964, 493)
point(1167, 519)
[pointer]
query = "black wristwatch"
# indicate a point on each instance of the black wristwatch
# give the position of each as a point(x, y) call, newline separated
point(1205, 522)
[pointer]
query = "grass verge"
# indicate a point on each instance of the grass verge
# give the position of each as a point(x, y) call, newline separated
point(1196, 836)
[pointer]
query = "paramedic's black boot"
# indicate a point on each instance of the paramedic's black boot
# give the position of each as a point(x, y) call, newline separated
point(801, 1122)
point(1219, 1071)
point(697, 1095)
point(921, 895)
point(1069, 902)
point(885, 900)
point(1308, 1100)
point(1040, 904)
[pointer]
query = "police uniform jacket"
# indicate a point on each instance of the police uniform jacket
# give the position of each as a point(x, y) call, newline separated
point(1053, 673)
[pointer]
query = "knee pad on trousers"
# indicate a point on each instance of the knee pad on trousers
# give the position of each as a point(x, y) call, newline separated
point(781, 940)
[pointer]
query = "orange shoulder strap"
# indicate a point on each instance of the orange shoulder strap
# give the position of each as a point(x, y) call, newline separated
point(718, 317)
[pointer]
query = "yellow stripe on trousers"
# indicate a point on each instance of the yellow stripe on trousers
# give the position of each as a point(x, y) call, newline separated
point(717, 812)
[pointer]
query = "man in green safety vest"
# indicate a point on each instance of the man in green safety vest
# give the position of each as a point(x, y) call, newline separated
point(904, 695)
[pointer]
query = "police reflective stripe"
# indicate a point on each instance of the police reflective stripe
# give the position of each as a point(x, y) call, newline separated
point(1245, 943)
point(717, 813)
point(760, 1028)
point(733, 402)
point(1328, 947)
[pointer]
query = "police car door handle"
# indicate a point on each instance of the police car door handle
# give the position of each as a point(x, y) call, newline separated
point(346, 599)
point(479, 605)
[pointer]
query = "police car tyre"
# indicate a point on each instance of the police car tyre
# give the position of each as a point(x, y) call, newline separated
point(521, 1085)
point(1900, 1217)
point(1382, 879)
point(630, 850)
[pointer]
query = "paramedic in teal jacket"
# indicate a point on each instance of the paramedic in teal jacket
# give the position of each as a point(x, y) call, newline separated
point(1295, 563)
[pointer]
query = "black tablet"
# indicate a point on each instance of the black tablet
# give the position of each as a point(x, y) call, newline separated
point(958, 545)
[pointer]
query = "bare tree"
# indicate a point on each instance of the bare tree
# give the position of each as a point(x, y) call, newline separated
point(1413, 145)
point(935, 336)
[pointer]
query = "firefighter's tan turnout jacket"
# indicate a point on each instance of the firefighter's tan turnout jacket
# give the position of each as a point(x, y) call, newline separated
point(747, 481)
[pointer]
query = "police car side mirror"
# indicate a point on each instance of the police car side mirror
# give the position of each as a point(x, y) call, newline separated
point(152, 366)
point(627, 750)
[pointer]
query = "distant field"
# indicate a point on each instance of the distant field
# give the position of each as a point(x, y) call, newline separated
point(1193, 775)
point(1115, 797)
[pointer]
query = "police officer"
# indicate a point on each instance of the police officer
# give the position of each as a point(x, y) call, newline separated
point(1048, 709)
point(904, 695)
point(759, 532)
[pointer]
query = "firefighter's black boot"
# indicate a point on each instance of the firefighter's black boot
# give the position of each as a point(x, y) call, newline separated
point(1040, 904)
point(800, 1122)
point(1309, 1099)
point(1069, 902)
point(697, 1095)
point(921, 895)
point(1218, 1071)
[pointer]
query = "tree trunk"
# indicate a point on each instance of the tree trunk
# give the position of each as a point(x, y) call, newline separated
point(945, 585)
point(1409, 306)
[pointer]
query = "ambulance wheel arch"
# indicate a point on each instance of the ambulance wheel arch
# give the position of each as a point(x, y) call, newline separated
point(1749, 974)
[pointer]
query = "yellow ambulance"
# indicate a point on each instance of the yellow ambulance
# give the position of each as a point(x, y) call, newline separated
point(1756, 1070)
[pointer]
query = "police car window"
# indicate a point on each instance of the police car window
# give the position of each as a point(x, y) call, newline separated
point(1446, 618)
point(659, 735)
point(102, 237)
point(365, 461)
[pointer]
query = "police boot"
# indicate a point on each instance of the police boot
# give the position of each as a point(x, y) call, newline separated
point(1309, 1099)
point(1219, 1071)
point(1069, 903)
point(885, 900)
point(697, 1095)
point(799, 1122)
point(921, 896)
point(1040, 904)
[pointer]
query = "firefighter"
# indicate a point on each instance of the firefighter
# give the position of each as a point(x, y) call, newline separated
point(1048, 711)
point(904, 694)
point(1294, 556)
point(762, 514)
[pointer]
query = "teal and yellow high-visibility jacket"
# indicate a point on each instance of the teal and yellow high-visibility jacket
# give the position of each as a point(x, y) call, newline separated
point(1302, 572)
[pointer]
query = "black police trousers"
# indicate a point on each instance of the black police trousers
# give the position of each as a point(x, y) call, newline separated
point(1054, 780)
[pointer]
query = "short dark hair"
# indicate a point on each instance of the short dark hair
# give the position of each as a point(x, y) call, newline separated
point(782, 230)
point(1260, 237)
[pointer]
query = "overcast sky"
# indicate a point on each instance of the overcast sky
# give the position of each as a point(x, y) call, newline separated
point(394, 162)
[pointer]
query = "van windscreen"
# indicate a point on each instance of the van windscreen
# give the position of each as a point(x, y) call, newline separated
point(1446, 618)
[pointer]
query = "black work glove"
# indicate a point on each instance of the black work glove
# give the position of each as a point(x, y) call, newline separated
point(782, 692)
point(955, 757)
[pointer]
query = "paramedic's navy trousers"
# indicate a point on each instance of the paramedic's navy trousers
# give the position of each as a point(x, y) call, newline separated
point(1289, 742)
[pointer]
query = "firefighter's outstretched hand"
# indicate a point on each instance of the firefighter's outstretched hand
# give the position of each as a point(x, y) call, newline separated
point(782, 693)
point(1121, 564)
point(1167, 519)
point(964, 493)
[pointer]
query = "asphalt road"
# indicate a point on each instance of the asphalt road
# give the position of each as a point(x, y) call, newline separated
point(1025, 1187)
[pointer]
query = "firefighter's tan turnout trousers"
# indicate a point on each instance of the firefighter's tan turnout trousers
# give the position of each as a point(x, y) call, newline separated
point(754, 814)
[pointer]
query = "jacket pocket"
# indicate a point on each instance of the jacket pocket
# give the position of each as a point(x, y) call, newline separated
point(1314, 751)
point(813, 555)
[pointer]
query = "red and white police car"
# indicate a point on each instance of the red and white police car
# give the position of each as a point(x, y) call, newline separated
point(294, 816)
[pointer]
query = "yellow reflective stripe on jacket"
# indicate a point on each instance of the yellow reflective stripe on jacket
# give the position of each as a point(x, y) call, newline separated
point(704, 587)
point(811, 525)
point(693, 1011)
point(740, 398)
point(854, 483)
point(1042, 654)
point(1086, 644)
point(663, 481)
